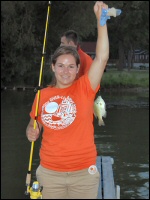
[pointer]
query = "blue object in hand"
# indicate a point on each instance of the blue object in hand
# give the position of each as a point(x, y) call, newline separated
point(104, 17)
point(106, 13)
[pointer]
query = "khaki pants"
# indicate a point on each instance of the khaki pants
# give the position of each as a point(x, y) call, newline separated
point(68, 185)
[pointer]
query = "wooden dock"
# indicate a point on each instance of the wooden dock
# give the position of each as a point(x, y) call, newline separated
point(23, 88)
point(107, 188)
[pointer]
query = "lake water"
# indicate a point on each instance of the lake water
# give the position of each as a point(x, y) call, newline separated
point(125, 137)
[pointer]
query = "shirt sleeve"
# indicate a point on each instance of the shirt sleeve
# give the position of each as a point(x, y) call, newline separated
point(86, 87)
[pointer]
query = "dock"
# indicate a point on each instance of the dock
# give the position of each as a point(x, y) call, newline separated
point(107, 188)
point(19, 88)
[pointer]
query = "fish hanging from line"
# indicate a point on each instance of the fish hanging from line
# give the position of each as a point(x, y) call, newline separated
point(100, 110)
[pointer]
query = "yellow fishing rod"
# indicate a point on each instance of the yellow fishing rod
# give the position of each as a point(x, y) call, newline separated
point(35, 190)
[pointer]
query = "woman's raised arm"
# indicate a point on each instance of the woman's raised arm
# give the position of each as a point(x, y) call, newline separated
point(102, 48)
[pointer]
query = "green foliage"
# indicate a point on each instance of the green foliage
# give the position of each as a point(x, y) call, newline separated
point(135, 78)
point(23, 28)
point(76, 15)
point(18, 39)
point(129, 31)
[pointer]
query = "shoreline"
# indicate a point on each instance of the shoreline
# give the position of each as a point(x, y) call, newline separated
point(104, 89)
point(125, 89)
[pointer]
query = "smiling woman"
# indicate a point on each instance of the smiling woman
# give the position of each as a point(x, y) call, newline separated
point(65, 68)
point(65, 112)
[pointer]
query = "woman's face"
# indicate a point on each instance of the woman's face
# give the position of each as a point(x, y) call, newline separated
point(65, 70)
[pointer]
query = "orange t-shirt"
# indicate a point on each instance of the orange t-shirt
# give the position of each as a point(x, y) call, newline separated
point(85, 62)
point(68, 133)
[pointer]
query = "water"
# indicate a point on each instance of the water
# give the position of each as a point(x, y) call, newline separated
point(125, 138)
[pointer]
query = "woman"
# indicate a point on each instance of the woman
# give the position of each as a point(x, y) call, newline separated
point(68, 154)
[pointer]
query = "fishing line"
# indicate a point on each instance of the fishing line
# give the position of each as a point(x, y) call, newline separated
point(28, 178)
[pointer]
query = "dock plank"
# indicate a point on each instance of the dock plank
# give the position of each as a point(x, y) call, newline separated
point(107, 189)
point(108, 178)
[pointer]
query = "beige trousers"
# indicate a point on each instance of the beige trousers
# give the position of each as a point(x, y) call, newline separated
point(68, 185)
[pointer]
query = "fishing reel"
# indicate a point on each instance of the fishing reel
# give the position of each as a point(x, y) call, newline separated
point(35, 191)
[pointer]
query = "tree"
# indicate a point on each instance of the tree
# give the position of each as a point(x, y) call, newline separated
point(18, 39)
point(23, 27)
point(130, 30)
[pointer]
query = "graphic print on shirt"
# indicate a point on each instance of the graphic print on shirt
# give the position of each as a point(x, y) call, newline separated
point(59, 112)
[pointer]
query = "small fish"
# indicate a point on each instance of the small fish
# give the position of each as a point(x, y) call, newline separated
point(100, 110)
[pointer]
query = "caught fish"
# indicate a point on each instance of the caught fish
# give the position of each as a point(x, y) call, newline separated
point(100, 110)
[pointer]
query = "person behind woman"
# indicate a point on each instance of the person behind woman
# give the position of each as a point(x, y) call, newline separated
point(71, 38)
point(68, 153)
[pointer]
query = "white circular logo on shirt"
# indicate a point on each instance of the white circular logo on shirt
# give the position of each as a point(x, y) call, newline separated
point(51, 107)
point(59, 112)
point(92, 169)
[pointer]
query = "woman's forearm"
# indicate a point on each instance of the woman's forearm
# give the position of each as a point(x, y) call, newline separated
point(102, 48)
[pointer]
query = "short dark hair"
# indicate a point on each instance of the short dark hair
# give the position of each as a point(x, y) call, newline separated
point(71, 35)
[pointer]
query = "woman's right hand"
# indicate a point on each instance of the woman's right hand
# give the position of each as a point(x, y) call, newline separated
point(31, 133)
point(98, 9)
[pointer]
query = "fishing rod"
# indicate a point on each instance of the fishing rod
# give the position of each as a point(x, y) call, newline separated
point(35, 190)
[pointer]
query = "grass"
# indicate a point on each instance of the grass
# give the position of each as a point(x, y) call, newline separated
point(134, 78)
